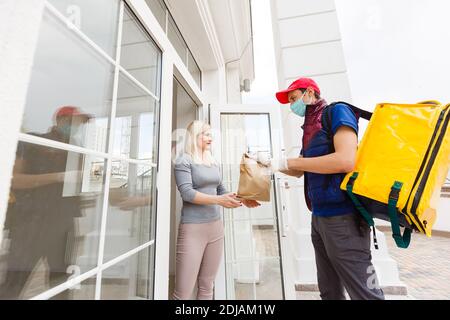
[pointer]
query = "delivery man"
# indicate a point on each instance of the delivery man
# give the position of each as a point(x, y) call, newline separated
point(341, 238)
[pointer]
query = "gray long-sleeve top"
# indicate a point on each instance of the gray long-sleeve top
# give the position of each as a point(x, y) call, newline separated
point(190, 178)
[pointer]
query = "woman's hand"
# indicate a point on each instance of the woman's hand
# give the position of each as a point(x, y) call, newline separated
point(229, 200)
point(250, 203)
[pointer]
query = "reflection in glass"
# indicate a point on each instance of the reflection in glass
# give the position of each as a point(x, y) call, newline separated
point(135, 133)
point(130, 279)
point(81, 291)
point(69, 82)
point(100, 28)
point(139, 54)
point(131, 211)
point(52, 227)
point(52, 224)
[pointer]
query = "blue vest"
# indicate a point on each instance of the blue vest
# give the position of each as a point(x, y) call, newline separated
point(327, 199)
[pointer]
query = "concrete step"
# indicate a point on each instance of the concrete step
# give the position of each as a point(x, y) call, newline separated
point(314, 295)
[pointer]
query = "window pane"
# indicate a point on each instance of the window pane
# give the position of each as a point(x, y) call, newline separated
point(266, 238)
point(255, 280)
point(241, 279)
point(158, 9)
point(52, 223)
point(176, 39)
point(69, 96)
point(100, 28)
point(131, 278)
point(82, 291)
point(252, 248)
point(135, 134)
point(194, 69)
point(130, 211)
point(269, 286)
point(139, 55)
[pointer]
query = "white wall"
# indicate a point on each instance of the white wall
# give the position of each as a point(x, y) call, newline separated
point(403, 45)
point(398, 49)
point(308, 44)
point(443, 216)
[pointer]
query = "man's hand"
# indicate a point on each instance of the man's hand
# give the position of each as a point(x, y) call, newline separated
point(342, 160)
point(279, 164)
point(276, 164)
point(292, 173)
point(72, 176)
point(132, 203)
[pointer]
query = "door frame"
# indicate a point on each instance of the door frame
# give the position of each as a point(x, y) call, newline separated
point(172, 66)
point(280, 201)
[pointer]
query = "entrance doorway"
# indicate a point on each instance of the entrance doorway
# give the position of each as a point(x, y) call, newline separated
point(185, 110)
point(256, 260)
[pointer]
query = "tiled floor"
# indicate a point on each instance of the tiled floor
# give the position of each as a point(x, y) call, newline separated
point(425, 266)
point(269, 286)
point(306, 295)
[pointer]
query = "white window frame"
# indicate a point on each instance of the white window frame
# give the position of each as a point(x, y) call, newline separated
point(118, 69)
point(171, 65)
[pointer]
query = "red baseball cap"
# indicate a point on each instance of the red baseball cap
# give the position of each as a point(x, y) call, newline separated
point(301, 83)
point(72, 112)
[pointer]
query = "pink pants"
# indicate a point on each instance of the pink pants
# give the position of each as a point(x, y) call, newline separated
point(199, 252)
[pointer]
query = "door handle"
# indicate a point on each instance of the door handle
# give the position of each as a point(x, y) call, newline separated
point(281, 206)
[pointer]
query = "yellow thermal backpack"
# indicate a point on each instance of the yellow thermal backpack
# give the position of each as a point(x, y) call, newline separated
point(402, 162)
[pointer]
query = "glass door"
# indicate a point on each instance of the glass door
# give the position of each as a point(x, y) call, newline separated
point(81, 217)
point(253, 267)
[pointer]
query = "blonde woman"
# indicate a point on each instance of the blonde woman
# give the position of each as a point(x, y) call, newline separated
point(200, 233)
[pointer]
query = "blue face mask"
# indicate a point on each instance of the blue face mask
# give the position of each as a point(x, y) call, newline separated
point(299, 107)
point(65, 130)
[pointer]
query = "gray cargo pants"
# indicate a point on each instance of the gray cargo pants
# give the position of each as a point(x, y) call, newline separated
point(343, 258)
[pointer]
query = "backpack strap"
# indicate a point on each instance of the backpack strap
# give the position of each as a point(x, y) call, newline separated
point(327, 119)
point(360, 207)
point(360, 113)
point(402, 241)
point(327, 125)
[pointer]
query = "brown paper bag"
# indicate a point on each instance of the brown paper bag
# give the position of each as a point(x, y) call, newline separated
point(254, 180)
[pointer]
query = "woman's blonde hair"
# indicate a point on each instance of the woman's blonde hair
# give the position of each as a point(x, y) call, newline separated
point(193, 130)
